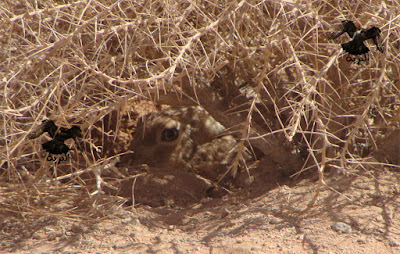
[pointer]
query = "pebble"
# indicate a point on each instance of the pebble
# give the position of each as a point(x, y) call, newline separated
point(77, 228)
point(361, 241)
point(341, 227)
point(275, 220)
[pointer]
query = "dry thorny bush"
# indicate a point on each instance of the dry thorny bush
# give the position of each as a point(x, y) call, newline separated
point(264, 69)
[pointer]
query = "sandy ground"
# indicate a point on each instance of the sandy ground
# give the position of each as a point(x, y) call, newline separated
point(255, 219)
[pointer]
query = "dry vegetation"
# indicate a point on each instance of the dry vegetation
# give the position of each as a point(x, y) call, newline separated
point(264, 69)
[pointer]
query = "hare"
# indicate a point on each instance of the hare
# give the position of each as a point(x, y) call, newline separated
point(183, 138)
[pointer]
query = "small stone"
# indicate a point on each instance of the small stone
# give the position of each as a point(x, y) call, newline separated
point(77, 229)
point(52, 236)
point(361, 241)
point(275, 220)
point(341, 227)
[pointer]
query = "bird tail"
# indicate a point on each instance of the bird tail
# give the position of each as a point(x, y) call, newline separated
point(350, 48)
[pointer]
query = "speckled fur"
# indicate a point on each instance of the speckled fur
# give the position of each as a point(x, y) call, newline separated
point(202, 145)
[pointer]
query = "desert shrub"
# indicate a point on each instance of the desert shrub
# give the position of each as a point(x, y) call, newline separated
point(264, 69)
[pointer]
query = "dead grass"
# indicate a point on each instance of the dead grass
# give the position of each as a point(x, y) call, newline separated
point(91, 62)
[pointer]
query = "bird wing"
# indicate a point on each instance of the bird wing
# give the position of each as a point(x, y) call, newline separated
point(46, 126)
point(36, 132)
point(334, 35)
point(347, 26)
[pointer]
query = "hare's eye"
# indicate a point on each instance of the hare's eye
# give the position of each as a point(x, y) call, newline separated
point(169, 134)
